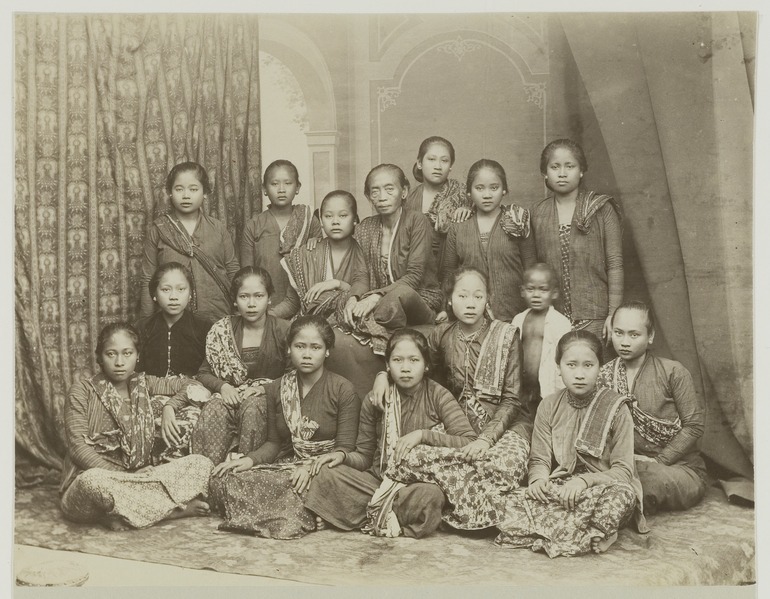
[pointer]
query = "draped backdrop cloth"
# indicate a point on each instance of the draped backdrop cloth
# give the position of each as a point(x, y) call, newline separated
point(105, 105)
point(663, 106)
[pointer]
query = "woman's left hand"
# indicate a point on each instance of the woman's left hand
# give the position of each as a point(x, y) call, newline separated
point(607, 330)
point(405, 444)
point(300, 479)
point(569, 492)
point(316, 290)
point(474, 450)
point(312, 242)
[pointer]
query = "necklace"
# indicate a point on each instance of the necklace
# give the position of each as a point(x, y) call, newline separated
point(580, 402)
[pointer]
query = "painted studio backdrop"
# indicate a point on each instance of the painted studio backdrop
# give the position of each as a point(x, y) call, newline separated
point(105, 105)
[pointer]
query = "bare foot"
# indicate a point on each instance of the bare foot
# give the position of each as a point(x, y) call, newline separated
point(196, 507)
point(320, 523)
point(599, 545)
point(115, 523)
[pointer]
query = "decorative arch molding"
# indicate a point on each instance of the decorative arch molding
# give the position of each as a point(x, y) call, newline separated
point(305, 60)
point(384, 93)
point(303, 57)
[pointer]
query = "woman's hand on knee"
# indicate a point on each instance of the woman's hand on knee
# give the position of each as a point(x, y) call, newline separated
point(405, 444)
point(538, 490)
point(330, 460)
point(239, 465)
point(475, 450)
point(301, 478)
point(169, 429)
point(230, 395)
point(569, 492)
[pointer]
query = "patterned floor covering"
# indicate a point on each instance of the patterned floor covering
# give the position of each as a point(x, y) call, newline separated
point(712, 544)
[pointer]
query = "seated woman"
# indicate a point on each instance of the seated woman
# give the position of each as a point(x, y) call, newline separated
point(109, 423)
point(324, 279)
point(173, 345)
point(478, 360)
point(397, 244)
point(669, 418)
point(349, 489)
point(582, 482)
point(311, 412)
point(173, 338)
point(243, 351)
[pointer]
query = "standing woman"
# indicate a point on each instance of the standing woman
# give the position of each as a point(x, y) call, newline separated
point(402, 276)
point(283, 226)
point(311, 412)
point(496, 240)
point(196, 240)
point(242, 350)
point(579, 234)
point(437, 196)
point(109, 423)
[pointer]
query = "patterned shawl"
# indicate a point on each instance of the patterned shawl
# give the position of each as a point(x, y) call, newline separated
point(451, 197)
point(514, 220)
point(380, 519)
point(301, 427)
point(222, 354)
point(595, 428)
point(613, 376)
point(135, 434)
point(588, 203)
point(493, 358)
point(304, 269)
point(178, 238)
point(294, 234)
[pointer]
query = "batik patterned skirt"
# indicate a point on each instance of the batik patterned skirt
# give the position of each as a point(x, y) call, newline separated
point(262, 502)
point(600, 511)
point(141, 499)
point(475, 491)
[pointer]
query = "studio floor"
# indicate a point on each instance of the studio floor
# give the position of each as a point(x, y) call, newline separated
point(712, 544)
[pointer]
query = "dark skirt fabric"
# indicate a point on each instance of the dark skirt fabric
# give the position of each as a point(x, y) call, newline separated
point(262, 502)
point(340, 496)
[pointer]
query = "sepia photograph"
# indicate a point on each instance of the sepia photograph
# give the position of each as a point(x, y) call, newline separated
point(383, 299)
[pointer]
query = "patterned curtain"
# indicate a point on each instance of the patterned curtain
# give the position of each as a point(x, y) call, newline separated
point(105, 105)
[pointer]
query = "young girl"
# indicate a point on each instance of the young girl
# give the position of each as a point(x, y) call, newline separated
point(582, 482)
point(437, 196)
point(669, 417)
point(273, 233)
point(242, 351)
point(311, 412)
point(578, 233)
point(496, 240)
point(327, 278)
point(349, 490)
point(109, 423)
point(397, 246)
point(477, 359)
point(199, 242)
point(173, 338)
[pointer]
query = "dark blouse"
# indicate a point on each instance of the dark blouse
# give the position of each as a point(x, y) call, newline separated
point(178, 349)
point(332, 402)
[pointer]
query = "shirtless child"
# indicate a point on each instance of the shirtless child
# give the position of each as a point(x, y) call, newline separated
point(541, 326)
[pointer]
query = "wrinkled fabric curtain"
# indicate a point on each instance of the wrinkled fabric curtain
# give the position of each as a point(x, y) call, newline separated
point(663, 105)
point(105, 105)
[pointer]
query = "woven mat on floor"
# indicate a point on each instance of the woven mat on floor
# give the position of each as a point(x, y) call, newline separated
point(712, 544)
